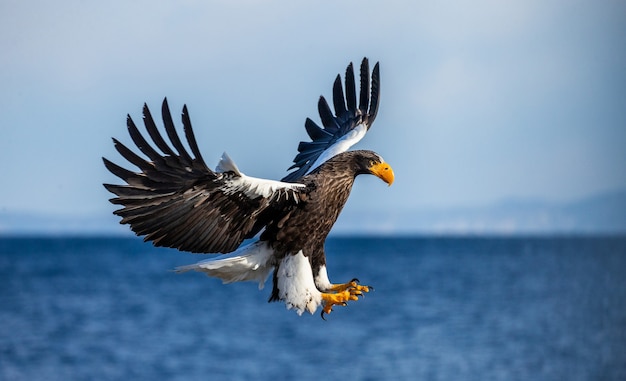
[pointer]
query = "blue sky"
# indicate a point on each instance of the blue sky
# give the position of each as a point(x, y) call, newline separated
point(482, 101)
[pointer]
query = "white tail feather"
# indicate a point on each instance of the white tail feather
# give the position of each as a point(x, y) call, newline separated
point(249, 263)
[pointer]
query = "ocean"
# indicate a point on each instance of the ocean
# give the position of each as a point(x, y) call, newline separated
point(443, 308)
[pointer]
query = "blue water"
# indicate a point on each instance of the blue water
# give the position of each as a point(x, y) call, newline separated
point(442, 309)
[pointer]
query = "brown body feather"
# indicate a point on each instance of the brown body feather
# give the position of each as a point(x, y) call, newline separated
point(307, 226)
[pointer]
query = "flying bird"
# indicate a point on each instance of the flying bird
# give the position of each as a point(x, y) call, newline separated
point(175, 200)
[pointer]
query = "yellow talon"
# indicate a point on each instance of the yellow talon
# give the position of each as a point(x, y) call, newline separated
point(353, 286)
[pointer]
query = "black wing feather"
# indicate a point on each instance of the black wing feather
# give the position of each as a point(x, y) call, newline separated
point(132, 157)
point(328, 120)
point(154, 133)
point(375, 95)
point(175, 200)
point(315, 132)
point(191, 139)
point(141, 143)
point(339, 99)
point(172, 134)
point(350, 89)
point(364, 98)
point(345, 118)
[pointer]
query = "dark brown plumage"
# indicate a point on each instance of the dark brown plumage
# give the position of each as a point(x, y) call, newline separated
point(308, 225)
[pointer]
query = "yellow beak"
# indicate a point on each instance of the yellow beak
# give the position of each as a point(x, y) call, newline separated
point(384, 172)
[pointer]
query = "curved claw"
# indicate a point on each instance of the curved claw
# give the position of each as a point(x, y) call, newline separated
point(343, 304)
point(355, 280)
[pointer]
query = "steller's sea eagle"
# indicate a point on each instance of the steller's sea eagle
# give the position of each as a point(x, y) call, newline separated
point(175, 200)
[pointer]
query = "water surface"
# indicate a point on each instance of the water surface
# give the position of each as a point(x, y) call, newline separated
point(442, 309)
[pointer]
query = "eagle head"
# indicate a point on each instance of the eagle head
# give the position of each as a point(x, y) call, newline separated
point(369, 162)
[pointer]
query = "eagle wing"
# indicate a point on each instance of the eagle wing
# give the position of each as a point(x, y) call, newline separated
point(176, 201)
point(345, 127)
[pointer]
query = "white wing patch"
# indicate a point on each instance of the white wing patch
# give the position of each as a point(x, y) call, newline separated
point(252, 187)
point(341, 145)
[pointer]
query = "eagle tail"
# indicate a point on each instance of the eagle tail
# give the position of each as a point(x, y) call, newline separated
point(248, 263)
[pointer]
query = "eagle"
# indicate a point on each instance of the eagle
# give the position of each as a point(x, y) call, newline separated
point(255, 227)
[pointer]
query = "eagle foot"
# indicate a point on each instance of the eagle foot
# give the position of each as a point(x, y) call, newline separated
point(340, 294)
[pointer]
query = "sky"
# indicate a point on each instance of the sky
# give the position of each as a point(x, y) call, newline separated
point(482, 101)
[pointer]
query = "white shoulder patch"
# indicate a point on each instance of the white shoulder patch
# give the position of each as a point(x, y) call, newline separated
point(252, 187)
point(296, 286)
point(226, 164)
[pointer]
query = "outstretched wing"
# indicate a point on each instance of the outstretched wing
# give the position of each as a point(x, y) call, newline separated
point(175, 200)
point(343, 129)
